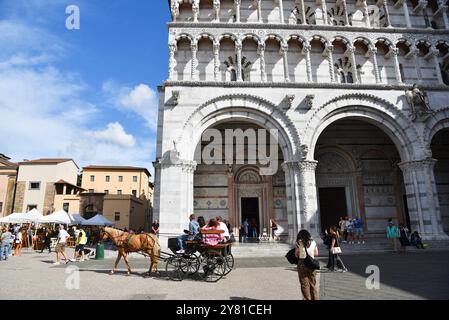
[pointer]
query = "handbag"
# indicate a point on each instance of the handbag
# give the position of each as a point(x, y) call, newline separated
point(291, 257)
point(310, 262)
point(336, 250)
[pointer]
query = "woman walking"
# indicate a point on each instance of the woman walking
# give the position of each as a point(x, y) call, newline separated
point(307, 277)
point(18, 242)
point(335, 250)
point(403, 238)
point(46, 240)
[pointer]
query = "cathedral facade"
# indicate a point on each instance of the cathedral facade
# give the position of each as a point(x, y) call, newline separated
point(356, 92)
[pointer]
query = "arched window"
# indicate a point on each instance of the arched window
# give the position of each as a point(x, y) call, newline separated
point(349, 78)
point(233, 75)
point(342, 77)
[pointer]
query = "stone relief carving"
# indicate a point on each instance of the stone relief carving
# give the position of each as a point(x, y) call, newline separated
point(249, 177)
point(418, 102)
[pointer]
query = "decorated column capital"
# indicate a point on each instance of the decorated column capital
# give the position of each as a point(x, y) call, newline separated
point(308, 165)
point(413, 165)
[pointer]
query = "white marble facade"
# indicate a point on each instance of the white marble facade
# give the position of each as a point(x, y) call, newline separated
point(311, 70)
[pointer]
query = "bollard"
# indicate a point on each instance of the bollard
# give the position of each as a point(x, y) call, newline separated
point(99, 251)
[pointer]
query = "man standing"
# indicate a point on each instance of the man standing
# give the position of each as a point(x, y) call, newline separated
point(81, 241)
point(358, 227)
point(155, 228)
point(392, 234)
point(60, 245)
point(6, 238)
point(194, 229)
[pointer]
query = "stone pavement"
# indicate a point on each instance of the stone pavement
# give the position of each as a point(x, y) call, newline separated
point(421, 275)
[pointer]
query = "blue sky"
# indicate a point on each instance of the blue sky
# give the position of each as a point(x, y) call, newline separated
point(88, 94)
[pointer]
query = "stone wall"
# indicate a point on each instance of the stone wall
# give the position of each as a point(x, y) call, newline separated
point(20, 194)
point(49, 198)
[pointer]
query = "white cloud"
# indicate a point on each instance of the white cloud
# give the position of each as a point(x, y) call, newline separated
point(141, 100)
point(114, 134)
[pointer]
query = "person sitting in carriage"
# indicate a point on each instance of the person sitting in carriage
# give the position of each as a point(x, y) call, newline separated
point(212, 239)
point(188, 234)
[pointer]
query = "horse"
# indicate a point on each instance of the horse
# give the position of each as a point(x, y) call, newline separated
point(126, 243)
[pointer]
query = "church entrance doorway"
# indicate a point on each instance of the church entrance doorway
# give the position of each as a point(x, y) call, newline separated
point(250, 212)
point(332, 206)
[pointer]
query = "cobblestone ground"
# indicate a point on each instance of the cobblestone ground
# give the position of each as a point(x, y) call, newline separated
point(410, 276)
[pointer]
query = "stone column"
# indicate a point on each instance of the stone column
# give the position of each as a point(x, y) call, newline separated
point(303, 12)
point(406, 14)
point(387, 13)
point(172, 61)
point(397, 70)
point(306, 50)
point(238, 52)
point(351, 51)
point(293, 194)
point(422, 198)
point(237, 4)
point(308, 196)
point(217, 10)
point(345, 9)
point(194, 48)
point(281, 12)
point(174, 9)
point(195, 10)
point(366, 13)
point(443, 7)
point(261, 52)
point(415, 53)
point(435, 52)
point(329, 49)
point(372, 51)
point(324, 8)
point(216, 61)
point(284, 53)
point(259, 11)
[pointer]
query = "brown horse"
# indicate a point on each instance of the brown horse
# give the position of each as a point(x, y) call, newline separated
point(126, 243)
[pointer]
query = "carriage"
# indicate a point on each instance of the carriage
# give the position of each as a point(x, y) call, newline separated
point(210, 262)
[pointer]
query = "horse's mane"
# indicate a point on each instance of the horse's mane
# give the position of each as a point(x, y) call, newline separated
point(114, 232)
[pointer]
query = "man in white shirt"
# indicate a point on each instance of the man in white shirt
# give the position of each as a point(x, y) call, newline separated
point(60, 245)
point(223, 227)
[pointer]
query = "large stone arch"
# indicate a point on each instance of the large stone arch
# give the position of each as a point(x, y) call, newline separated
point(239, 107)
point(374, 110)
point(439, 121)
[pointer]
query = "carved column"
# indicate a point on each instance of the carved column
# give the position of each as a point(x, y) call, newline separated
point(324, 8)
point(406, 14)
point(372, 51)
point(366, 14)
point(387, 13)
point(443, 7)
point(237, 4)
point(194, 48)
point(306, 50)
point(284, 52)
point(415, 53)
point(351, 51)
point(172, 61)
point(292, 183)
point(217, 10)
point(281, 12)
point(397, 70)
point(238, 52)
point(217, 61)
point(345, 9)
point(329, 49)
point(309, 203)
point(174, 9)
point(422, 198)
point(261, 52)
point(259, 11)
point(434, 53)
point(195, 10)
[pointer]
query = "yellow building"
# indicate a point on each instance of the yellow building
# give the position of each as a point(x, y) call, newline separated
point(67, 197)
point(8, 176)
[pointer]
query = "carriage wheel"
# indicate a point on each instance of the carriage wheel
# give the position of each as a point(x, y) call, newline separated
point(190, 264)
point(229, 259)
point(214, 267)
point(173, 268)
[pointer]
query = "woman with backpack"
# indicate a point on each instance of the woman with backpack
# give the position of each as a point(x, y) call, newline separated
point(307, 249)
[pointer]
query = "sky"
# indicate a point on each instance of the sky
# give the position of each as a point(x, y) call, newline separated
point(90, 93)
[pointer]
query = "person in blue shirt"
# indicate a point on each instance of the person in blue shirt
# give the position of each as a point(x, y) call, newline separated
point(194, 229)
point(358, 230)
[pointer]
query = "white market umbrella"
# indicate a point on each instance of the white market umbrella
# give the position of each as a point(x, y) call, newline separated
point(32, 216)
point(60, 216)
point(78, 219)
point(98, 220)
point(13, 218)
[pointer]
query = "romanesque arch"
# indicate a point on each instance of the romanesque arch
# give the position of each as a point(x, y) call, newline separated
point(440, 120)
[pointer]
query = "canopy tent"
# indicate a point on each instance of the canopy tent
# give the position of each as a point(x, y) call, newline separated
point(58, 217)
point(13, 218)
point(98, 220)
point(32, 216)
point(78, 219)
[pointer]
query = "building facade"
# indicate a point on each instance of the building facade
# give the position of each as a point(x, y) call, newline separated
point(36, 180)
point(356, 91)
point(8, 176)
